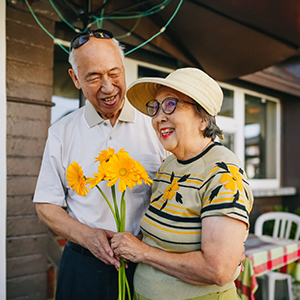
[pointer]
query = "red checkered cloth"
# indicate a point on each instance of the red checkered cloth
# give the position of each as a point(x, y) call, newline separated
point(262, 255)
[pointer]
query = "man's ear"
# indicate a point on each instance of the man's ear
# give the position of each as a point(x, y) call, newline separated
point(74, 78)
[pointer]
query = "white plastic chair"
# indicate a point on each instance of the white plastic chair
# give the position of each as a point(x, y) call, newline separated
point(282, 229)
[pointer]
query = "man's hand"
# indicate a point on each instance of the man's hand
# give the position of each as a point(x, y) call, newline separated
point(96, 240)
point(99, 244)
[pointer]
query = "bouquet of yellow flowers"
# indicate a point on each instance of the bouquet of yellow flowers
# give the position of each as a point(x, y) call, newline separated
point(113, 167)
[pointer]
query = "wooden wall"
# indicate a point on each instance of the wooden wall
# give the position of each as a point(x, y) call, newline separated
point(29, 90)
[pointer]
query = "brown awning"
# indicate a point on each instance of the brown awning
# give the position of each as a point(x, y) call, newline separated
point(226, 38)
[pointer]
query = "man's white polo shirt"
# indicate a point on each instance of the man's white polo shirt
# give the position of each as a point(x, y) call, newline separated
point(80, 136)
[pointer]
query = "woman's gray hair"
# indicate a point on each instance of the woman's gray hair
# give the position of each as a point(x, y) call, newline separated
point(212, 130)
point(72, 55)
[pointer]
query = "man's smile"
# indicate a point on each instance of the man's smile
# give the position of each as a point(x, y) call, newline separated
point(110, 100)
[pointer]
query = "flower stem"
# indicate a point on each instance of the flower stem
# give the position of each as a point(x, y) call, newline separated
point(127, 287)
point(111, 208)
point(123, 212)
point(113, 192)
point(120, 296)
point(123, 278)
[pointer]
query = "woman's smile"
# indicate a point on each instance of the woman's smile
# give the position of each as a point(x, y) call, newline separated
point(166, 132)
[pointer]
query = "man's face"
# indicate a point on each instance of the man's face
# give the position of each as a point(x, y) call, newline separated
point(101, 76)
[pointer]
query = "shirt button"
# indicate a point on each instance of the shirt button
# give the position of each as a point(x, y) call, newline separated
point(110, 138)
point(105, 124)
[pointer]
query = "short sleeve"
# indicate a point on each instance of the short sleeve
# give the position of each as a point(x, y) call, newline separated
point(50, 186)
point(226, 191)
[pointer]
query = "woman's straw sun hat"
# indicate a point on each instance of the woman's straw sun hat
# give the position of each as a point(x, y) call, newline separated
point(189, 81)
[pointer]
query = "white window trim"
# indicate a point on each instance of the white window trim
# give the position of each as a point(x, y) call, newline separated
point(3, 180)
point(236, 125)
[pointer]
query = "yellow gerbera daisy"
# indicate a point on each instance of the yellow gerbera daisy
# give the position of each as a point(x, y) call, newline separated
point(105, 155)
point(121, 167)
point(234, 179)
point(142, 174)
point(93, 181)
point(171, 190)
point(76, 179)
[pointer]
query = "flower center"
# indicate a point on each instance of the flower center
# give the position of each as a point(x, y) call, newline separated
point(123, 172)
point(234, 178)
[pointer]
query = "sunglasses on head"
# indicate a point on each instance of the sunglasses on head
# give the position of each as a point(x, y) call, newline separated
point(168, 106)
point(84, 37)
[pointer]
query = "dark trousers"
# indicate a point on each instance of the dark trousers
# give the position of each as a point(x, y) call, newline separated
point(82, 276)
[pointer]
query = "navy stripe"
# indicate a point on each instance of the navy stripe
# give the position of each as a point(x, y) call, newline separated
point(181, 185)
point(189, 186)
point(167, 173)
point(170, 242)
point(160, 180)
point(168, 182)
point(173, 226)
point(240, 215)
point(174, 218)
point(224, 206)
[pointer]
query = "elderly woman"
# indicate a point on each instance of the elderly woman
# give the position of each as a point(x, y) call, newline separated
point(198, 218)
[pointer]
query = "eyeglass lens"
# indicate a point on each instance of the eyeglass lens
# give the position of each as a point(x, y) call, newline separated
point(168, 106)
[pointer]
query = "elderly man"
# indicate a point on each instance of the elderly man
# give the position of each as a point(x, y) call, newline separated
point(88, 266)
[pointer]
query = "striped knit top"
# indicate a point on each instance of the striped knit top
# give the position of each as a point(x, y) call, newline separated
point(183, 193)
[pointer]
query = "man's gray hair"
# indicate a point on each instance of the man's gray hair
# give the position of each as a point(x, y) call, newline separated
point(72, 55)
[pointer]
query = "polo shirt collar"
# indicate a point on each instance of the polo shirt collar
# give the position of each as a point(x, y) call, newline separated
point(93, 118)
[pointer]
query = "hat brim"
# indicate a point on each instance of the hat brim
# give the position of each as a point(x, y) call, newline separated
point(144, 89)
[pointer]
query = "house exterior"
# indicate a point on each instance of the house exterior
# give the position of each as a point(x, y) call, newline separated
point(260, 117)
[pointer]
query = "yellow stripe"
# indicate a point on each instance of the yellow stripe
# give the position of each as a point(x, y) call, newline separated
point(193, 181)
point(168, 230)
point(163, 176)
point(220, 201)
point(206, 199)
point(193, 213)
point(213, 170)
point(224, 193)
point(196, 213)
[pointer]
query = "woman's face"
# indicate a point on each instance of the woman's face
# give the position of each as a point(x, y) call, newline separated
point(182, 131)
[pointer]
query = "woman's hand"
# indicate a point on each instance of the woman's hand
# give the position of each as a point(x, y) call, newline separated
point(127, 246)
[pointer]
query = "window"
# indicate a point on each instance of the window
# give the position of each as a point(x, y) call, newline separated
point(137, 69)
point(260, 138)
point(149, 72)
point(251, 126)
point(227, 106)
